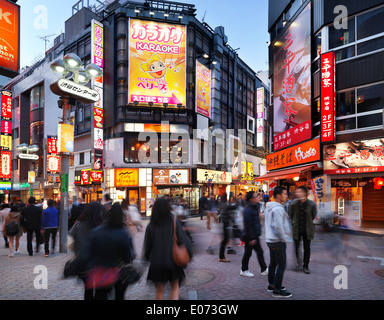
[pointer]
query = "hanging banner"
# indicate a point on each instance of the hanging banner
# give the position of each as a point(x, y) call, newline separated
point(328, 96)
point(65, 138)
point(260, 118)
point(157, 63)
point(51, 144)
point(53, 164)
point(6, 165)
point(203, 90)
point(320, 194)
point(292, 83)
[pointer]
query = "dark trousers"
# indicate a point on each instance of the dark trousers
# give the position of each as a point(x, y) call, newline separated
point(6, 241)
point(307, 249)
point(277, 251)
point(120, 288)
point(248, 253)
point(224, 242)
point(29, 240)
point(47, 233)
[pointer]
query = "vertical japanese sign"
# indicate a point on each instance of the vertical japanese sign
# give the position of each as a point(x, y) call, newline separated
point(260, 118)
point(6, 165)
point(6, 120)
point(328, 96)
point(53, 160)
point(157, 63)
point(203, 90)
point(292, 83)
point(9, 35)
point(320, 194)
point(98, 108)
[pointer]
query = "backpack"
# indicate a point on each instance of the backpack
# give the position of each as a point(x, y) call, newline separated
point(12, 228)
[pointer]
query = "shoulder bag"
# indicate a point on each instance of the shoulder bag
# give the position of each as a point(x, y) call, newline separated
point(179, 252)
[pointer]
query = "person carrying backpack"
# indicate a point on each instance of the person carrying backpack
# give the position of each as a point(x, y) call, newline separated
point(12, 230)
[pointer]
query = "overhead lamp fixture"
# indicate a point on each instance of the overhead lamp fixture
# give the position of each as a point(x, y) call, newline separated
point(296, 178)
point(93, 71)
point(152, 13)
point(22, 147)
point(72, 62)
point(33, 148)
point(166, 15)
point(136, 103)
point(205, 55)
point(284, 20)
point(180, 17)
point(214, 62)
point(136, 11)
point(150, 103)
point(59, 67)
point(82, 78)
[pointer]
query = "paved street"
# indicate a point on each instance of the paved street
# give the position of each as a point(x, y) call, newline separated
point(207, 279)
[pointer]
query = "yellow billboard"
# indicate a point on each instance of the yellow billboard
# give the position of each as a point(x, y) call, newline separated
point(157, 63)
point(203, 90)
point(65, 138)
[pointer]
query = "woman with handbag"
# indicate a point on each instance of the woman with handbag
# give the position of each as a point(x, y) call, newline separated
point(167, 249)
point(109, 247)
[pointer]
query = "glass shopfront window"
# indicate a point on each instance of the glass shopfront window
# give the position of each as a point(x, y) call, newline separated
point(345, 103)
point(370, 23)
point(341, 37)
point(370, 98)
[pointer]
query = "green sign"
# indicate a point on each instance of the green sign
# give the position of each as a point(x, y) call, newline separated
point(64, 182)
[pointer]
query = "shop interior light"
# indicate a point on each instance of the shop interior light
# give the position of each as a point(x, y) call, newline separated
point(180, 17)
point(133, 148)
point(137, 11)
point(152, 13)
point(166, 15)
point(296, 178)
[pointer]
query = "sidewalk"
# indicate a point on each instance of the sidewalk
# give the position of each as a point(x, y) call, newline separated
point(208, 279)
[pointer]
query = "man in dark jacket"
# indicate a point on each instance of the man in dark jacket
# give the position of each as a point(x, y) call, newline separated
point(31, 221)
point(227, 217)
point(251, 234)
point(302, 212)
point(203, 202)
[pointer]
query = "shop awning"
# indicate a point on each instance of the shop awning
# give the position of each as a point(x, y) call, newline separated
point(285, 174)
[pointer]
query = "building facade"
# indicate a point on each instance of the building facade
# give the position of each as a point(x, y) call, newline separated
point(341, 68)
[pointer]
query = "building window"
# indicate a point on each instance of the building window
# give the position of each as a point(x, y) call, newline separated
point(15, 133)
point(36, 132)
point(370, 98)
point(370, 23)
point(317, 45)
point(37, 98)
point(81, 158)
point(371, 120)
point(345, 53)
point(342, 37)
point(369, 46)
point(346, 124)
point(345, 103)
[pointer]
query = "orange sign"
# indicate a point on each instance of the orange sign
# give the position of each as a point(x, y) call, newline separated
point(156, 127)
point(302, 153)
point(127, 177)
point(9, 35)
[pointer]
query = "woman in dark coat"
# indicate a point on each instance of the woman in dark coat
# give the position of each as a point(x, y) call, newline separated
point(157, 249)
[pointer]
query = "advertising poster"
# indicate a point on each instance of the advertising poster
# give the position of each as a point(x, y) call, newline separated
point(354, 157)
point(292, 83)
point(260, 118)
point(157, 63)
point(65, 138)
point(203, 90)
point(320, 195)
point(9, 35)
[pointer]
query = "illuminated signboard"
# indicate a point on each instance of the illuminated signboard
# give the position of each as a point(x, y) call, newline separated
point(328, 96)
point(9, 36)
point(203, 90)
point(6, 120)
point(127, 177)
point(65, 138)
point(53, 164)
point(303, 153)
point(292, 83)
point(354, 157)
point(260, 118)
point(157, 63)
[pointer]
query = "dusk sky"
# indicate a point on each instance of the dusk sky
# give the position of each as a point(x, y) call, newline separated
point(244, 21)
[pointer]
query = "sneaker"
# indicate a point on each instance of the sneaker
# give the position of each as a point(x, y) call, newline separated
point(241, 244)
point(282, 294)
point(306, 270)
point(246, 273)
point(46, 255)
point(270, 288)
point(224, 260)
point(17, 251)
point(11, 255)
point(265, 272)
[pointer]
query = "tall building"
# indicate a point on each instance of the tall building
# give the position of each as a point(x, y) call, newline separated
point(327, 74)
point(163, 66)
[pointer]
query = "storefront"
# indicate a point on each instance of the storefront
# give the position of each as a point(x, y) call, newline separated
point(213, 182)
point(356, 173)
point(88, 185)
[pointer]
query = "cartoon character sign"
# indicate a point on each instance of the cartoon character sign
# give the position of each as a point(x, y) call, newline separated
point(157, 63)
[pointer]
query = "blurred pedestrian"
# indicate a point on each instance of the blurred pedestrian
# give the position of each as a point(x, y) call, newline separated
point(277, 233)
point(49, 226)
point(108, 249)
point(90, 219)
point(203, 205)
point(107, 206)
point(227, 218)
point(31, 221)
point(76, 210)
point(251, 234)
point(157, 249)
point(12, 230)
point(302, 212)
point(5, 209)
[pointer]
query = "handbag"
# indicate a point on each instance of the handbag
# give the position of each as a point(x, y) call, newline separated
point(130, 274)
point(179, 252)
point(100, 277)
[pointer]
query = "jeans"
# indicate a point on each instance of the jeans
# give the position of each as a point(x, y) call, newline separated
point(307, 249)
point(248, 253)
point(29, 240)
point(47, 233)
point(277, 264)
point(224, 242)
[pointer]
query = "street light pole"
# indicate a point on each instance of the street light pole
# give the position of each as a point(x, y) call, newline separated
point(64, 198)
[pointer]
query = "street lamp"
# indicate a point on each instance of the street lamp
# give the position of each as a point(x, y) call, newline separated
point(73, 88)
